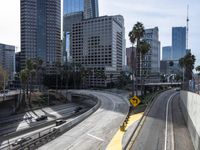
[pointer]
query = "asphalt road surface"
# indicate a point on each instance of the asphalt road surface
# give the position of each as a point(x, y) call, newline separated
point(26, 120)
point(98, 129)
point(164, 127)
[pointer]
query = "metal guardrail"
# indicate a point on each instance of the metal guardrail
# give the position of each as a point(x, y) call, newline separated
point(44, 136)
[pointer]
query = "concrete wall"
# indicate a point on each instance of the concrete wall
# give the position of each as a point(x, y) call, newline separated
point(190, 103)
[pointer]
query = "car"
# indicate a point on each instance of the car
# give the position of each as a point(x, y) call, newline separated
point(20, 141)
point(42, 117)
point(77, 109)
point(59, 122)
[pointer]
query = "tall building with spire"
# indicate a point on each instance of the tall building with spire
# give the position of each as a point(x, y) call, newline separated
point(40, 31)
point(178, 42)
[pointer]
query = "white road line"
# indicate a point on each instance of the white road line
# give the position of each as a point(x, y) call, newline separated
point(166, 120)
point(95, 137)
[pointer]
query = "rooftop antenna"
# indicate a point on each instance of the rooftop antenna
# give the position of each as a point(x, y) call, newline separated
point(187, 28)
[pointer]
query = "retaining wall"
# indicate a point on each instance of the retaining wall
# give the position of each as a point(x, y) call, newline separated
point(190, 103)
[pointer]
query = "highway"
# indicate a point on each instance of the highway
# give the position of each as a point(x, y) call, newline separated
point(164, 127)
point(97, 130)
point(26, 120)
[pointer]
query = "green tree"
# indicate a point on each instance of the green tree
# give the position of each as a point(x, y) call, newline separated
point(198, 70)
point(187, 62)
point(3, 78)
point(144, 48)
point(171, 63)
point(135, 36)
point(24, 77)
point(58, 69)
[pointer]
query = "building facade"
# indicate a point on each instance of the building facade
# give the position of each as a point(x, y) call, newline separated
point(75, 11)
point(167, 53)
point(131, 58)
point(97, 44)
point(178, 42)
point(40, 31)
point(91, 9)
point(73, 6)
point(151, 62)
point(7, 60)
point(17, 62)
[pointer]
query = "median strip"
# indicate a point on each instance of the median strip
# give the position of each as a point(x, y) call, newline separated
point(116, 142)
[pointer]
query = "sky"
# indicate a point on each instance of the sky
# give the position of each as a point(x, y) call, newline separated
point(164, 14)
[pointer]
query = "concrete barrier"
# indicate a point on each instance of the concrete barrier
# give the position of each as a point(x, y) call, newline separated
point(190, 104)
point(68, 125)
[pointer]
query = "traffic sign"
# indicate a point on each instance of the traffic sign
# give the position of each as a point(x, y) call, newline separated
point(135, 101)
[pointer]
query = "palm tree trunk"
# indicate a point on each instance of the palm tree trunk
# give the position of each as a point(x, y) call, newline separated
point(133, 87)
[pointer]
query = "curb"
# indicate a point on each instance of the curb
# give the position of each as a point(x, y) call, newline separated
point(131, 141)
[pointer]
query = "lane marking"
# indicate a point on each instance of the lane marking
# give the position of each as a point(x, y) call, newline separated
point(95, 137)
point(166, 119)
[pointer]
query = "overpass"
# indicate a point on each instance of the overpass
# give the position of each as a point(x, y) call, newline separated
point(11, 95)
point(163, 84)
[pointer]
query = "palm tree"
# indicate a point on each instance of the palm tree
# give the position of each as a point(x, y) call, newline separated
point(24, 76)
point(198, 70)
point(39, 71)
point(187, 63)
point(144, 48)
point(83, 73)
point(135, 36)
point(58, 65)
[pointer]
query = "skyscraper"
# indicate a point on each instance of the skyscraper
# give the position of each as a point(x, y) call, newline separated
point(151, 62)
point(89, 8)
point(73, 6)
point(75, 11)
point(167, 53)
point(98, 46)
point(40, 31)
point(178, 42)
point(7, 59)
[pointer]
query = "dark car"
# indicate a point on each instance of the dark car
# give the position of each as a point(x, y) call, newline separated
point(42, 117)
point(77, 109)
point(59, 122)
point(20, 141)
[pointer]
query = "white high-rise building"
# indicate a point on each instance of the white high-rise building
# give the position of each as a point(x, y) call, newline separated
point(98, 45)
point(151, 62)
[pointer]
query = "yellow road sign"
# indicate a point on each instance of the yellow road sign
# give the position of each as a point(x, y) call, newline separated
point(135, 101)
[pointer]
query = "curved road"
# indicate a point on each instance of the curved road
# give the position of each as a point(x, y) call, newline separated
point(98, 129)
point(164, 127)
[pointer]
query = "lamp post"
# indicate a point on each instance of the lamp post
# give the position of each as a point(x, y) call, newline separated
point(4, 84)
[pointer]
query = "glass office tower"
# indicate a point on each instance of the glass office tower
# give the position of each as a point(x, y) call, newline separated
point(178, 42)
point(40, 31)
point(89, 7)
point(72, 6)
point(75, 11)
point(167, 53)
